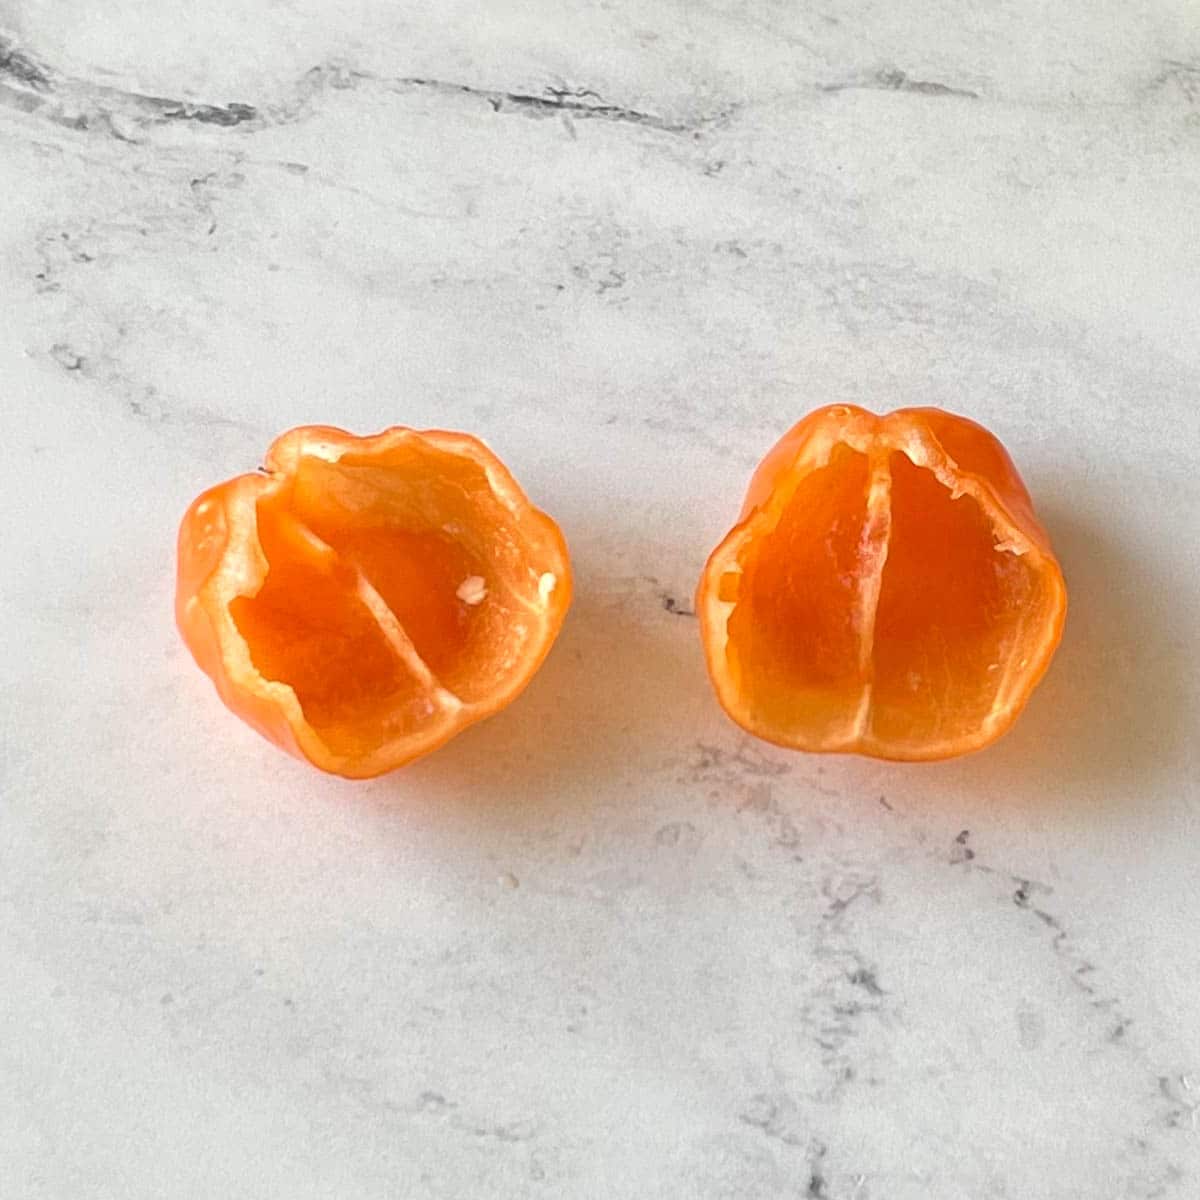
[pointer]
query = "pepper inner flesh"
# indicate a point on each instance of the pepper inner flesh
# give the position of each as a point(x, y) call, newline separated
point(899, 626)
point(304, 628)
point(412, 537)
point(793, 636)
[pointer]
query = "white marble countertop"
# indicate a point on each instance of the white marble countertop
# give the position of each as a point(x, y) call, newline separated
point(603, 945)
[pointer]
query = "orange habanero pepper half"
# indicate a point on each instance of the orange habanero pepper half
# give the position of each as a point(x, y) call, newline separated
point(886, 591)
point(363, 599)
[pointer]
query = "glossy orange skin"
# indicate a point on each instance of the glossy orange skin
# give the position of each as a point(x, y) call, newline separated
point(976, 462)
point(218, 539)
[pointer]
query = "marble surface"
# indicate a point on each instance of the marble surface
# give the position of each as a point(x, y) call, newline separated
point(603, 945)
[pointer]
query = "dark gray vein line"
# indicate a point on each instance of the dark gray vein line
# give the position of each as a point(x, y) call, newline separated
point(21, 67)
point(1081, 971)
point(891, 79)
point(31, 86)
point(207, 114)
point(580, 103)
